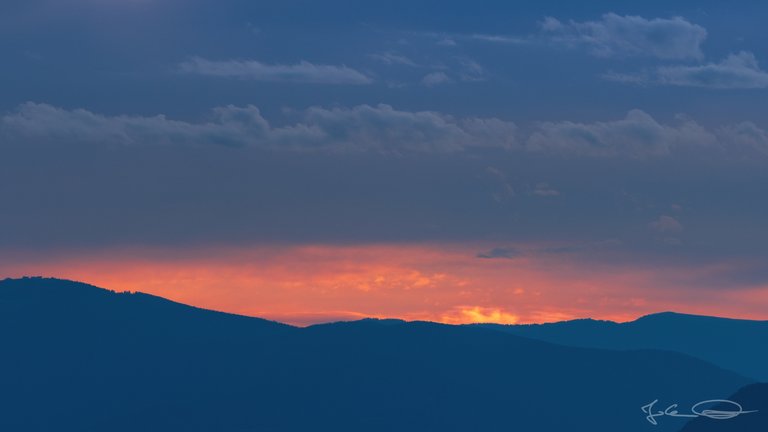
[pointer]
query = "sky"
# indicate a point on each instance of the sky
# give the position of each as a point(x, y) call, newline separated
point(452, 161)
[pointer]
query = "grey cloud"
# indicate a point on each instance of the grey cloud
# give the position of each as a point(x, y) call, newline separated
point(361, 128)
point(436, 78)
point(390, 58)
point(638, 135)
point(303, 72)
point(501, 252)
point(737, 71)
point(231, 126)
point(385, 129)
point(503, 39)
point(471, 70)
point(619, 36)
point(502, 189)
point(747, 136)
point(544, 190)
point(79, 178)
point(666, 224)
point(382, 126)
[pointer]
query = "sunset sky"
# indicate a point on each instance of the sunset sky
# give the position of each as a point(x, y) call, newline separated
point(454, 161)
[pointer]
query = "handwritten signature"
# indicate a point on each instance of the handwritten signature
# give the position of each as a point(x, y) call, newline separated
point(698, 410)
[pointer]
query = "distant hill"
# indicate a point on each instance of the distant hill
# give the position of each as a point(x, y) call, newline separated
point(753, 397)
point(79, 358)
point(738, 345)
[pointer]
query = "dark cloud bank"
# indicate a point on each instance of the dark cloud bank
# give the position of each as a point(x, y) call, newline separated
point(74, 178)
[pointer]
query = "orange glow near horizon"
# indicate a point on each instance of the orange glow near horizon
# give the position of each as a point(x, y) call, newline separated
point(302, 285)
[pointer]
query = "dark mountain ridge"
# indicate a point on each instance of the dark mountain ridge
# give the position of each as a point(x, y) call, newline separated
point(735, 344)
point(79, 358)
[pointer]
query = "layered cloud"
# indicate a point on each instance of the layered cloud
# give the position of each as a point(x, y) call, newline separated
point(303, 72)
point(623, 36)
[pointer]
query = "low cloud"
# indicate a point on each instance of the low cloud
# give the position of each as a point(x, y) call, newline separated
point(622, 36)
point(303, 72)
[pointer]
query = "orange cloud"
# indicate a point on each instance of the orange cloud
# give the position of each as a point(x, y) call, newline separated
point(320, 283)
point(478, 314)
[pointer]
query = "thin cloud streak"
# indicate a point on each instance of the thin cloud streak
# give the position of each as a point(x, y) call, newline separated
point(302, 72)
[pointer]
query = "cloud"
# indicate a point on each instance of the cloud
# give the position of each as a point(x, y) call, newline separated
point(502, 39)
point(746, 136)
point(231, 126)
point(450, 39)
point(737, 71)
point(544, 190)
point(303, 72)
point(501, 252)
point(502, 189)
point(81, 178)
point(384, 129)
point(591, 248)
point(638, 135)
point(436, 78)
point(389, 58)
point(471, 70)
point(622, 36)
point(667, 225)
point(466, 70)
point(361, 128)
point(479, 314)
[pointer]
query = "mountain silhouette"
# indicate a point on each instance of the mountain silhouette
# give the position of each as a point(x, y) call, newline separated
point(753, 397)
point(738, 345)
point(80, 358)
